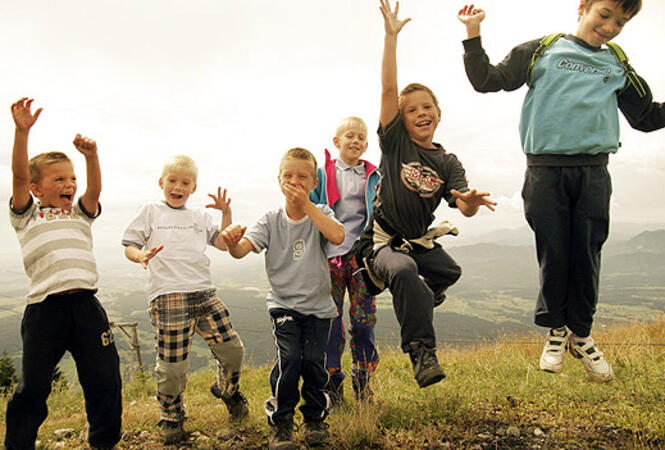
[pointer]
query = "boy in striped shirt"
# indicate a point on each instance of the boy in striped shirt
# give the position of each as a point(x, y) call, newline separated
point(63, 313)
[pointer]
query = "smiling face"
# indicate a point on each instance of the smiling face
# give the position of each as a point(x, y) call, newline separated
point(421, 116)
point(601, 21)
point(57, 185)
point(351, 144)
point(177, 187)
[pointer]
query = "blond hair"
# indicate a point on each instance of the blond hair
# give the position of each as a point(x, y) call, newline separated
point(38, 162)
point(299, 153)
point(181, 164)
point(413, 87)
point(350, 122)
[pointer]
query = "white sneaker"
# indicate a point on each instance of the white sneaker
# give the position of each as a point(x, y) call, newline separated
point(551, 360)
point(594, 362)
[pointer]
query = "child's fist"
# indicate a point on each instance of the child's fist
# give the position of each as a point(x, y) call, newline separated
point(232, 234)
point(470, 15)
point(85, 145)
point(23, 117)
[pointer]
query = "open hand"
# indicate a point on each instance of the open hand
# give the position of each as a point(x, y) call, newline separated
point(392, 24)
point(475, 199)
point(220, 201)
point(23, 117)
point(470, 15)
point(232, 235)
point(85, 145)
point(147, 255)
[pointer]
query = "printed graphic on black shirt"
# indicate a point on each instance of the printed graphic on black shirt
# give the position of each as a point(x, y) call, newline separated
point(421, 179)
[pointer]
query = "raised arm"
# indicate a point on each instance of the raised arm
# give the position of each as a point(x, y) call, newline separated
point(24, 120)
point(509, 74)
point(88, 147)
point(389, 95)
point(471, 17)
point(223, 204)
point(237, 245)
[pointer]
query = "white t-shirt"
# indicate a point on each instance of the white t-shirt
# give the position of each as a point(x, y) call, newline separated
point(182, 266)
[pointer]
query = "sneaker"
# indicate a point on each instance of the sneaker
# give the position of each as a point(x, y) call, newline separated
point(594, 362)
point(335, 390)
point(426, 369)
point(236, 404)
point(551, 360)
point(281, 436)
point(171, 432)
point(316, 432)
point(361, 389)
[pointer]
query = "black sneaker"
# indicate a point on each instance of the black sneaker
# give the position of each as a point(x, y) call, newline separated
point(281, 436)
point(171, 432)
point(335, 390)
point(426, 369)
point(236, 404)
point(316, 432)
point(361, 389)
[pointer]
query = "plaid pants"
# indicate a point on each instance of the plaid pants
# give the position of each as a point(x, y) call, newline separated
point(175, 317)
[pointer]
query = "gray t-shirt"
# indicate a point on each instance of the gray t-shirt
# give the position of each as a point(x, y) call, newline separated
point(296, 262)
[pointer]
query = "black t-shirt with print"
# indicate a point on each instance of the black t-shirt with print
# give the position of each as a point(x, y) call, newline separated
point(413, 181)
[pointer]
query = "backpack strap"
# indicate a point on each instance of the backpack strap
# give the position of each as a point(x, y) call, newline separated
point(543, 45)
point(622, 58)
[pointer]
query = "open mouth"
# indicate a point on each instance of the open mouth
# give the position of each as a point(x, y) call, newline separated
point(68, 197)
point(423, 123)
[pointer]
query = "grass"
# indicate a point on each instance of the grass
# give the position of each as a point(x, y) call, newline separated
point(494, 397)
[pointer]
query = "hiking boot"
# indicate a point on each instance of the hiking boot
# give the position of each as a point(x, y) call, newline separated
point(236, 404)
point(426, 369)
point(335, 390)
point(551, 359)
point(281, 436)
point(361, 388)
point(316, 432)
point(171, 432)
point(594, 362)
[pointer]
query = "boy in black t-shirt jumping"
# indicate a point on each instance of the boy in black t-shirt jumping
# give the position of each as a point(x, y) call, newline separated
point(416, 173)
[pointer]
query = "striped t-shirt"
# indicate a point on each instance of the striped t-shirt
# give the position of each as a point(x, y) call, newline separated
point(56, 246)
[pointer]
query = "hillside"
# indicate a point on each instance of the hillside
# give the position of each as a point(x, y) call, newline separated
point(494, 397)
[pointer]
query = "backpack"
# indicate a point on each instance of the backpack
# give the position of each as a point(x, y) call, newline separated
point(617, 51)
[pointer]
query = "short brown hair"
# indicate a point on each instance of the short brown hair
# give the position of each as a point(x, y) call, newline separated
point(630, 7)
point(417, 87)
point(38, 162)
point(299, 153)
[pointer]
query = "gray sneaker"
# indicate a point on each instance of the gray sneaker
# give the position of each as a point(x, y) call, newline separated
point(426, 369)
point(236, 404)
point(281, 436)
point(171, 432)
point(316, 432)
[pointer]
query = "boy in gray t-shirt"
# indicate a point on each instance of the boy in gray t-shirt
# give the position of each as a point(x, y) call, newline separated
point(299, 300)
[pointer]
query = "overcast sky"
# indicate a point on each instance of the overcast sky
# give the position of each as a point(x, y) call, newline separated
point(235, 83)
